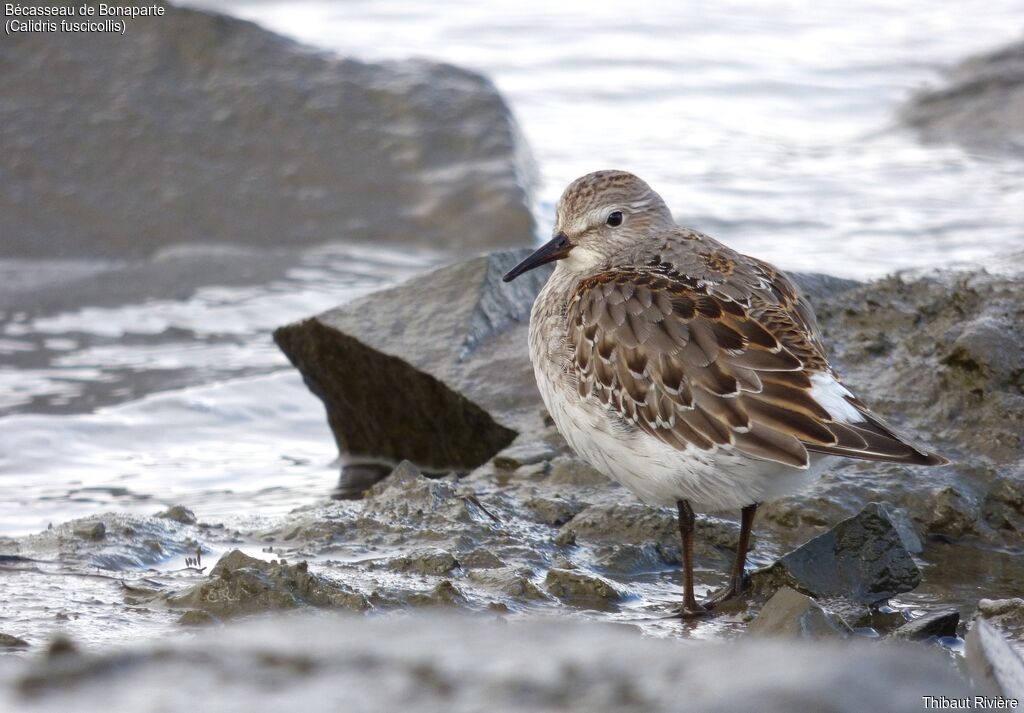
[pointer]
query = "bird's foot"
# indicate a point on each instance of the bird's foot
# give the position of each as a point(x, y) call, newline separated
point(693, 610)
point(731, 593)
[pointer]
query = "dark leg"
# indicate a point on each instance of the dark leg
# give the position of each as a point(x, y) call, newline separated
point(686, 528)
point(735, 587)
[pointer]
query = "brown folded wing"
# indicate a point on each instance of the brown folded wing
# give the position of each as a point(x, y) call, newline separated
point(699, 366)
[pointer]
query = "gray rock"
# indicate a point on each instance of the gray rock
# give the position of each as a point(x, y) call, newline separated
point(861, 559)
point(981, 105)
point(992, 663)
point(942, 622)
point(431, 561)
point(434, 370)
point(272, 144)
point(794, 615)
point(581, 588)
point(240, 585)
point(433, 663)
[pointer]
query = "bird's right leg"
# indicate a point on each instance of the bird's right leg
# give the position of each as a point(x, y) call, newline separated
point(687, 522)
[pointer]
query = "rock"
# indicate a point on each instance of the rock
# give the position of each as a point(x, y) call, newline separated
point(580, 588)
point(791, 614)
point(861, 559)
point(942, 622)
point(434, 370)
point(1007, 615)
point(980, 107)
point(91, 530)
point(991, 662)
point(179, 513)
point(273, 144)
point(638, 524)
point(9, 641)
point(516, 582)
point(435, 663)
point(554, 511)
point(522, 454)
point(425, 561)
point(240, 584)
point(197, 617)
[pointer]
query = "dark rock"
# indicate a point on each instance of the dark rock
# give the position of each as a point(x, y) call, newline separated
point(942, 622)
point(791, 614)
point(991, 662)
point(434, 370)
point(179, 513)
point(861, 559)
point(272, 144)
point(433, 663)
point(240, 584)
point(981, 105)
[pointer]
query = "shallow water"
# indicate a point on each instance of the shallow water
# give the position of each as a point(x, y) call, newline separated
point(769, 127)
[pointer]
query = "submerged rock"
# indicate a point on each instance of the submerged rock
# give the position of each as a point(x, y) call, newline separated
point(272, 144)
point(432, 663)
point(240, 584)
point(794, 615)
point(981, 105)
point(434, 371)
point(861, 559)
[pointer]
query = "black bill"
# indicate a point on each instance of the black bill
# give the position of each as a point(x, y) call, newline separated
point(554, 249)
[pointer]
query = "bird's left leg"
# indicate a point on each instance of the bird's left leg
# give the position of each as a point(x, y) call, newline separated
point(735, 586)
point(687, 525)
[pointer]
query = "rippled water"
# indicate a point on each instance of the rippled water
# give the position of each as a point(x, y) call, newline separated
point(768, 126)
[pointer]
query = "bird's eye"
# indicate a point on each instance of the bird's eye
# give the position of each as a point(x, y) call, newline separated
point(615, 219)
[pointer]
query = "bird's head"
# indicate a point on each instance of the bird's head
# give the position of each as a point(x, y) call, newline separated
point(598, 215)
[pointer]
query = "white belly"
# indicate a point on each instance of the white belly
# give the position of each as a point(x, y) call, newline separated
point(659, 474)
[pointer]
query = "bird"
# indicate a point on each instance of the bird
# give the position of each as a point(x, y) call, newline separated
point(692, 374)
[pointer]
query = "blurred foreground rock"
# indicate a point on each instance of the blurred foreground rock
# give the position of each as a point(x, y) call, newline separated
point(981, 105)
point(271, 144)
point(458, 664)
point(434, 371)
point(992, 663)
